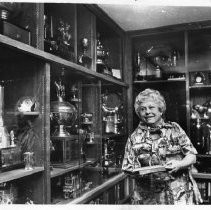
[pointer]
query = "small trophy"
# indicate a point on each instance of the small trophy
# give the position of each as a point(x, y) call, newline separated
point(102, 54)
point(74, 94)
point(84, 59)
point(85, 45)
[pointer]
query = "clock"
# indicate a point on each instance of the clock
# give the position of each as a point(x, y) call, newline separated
point(199, 78)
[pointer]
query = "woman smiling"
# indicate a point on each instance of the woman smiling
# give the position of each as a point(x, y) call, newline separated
point(156, 142)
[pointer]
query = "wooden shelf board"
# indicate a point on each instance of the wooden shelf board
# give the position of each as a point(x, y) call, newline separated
point(204, 156)
point(199, 86)
point(60, 171)
point(18, 173)
point(200, 69)
point(159, 81)
point(40, 54)
point(202, 176)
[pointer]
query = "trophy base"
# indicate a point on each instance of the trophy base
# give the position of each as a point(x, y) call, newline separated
point(61, 133)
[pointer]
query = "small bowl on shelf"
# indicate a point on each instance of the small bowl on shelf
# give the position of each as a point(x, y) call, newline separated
point(27, 106)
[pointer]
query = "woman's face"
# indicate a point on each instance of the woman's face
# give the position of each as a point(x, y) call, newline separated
point(150, 113)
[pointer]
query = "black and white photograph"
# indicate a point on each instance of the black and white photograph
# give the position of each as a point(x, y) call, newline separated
point(105, 104)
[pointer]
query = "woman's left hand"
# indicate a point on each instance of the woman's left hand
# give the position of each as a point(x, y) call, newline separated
point(174, 165)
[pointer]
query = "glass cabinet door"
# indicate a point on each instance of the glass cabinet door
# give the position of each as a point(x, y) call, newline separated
point(199, 65)
point(160, 56)
point(59, 30)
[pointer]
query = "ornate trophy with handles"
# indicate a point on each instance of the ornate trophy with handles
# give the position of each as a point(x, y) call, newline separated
point(62, 112)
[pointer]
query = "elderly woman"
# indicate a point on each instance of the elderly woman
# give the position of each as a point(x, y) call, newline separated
point(155, 142)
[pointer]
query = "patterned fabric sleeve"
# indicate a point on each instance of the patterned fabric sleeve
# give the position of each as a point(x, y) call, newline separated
point(128, 160)
point(183, 140)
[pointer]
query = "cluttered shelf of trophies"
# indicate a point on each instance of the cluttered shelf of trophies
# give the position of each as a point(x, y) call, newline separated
point(74, 130)
point(200, 111)
point(200, 133)
point(59, 40)
point(159, 63)
point(90, 183)
point(17, 154)
point(65, 136)
point(59, 46)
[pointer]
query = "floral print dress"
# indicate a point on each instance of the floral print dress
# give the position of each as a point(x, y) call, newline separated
point(156, 146)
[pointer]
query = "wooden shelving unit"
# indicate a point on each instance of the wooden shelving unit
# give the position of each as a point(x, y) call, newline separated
point(33, 71)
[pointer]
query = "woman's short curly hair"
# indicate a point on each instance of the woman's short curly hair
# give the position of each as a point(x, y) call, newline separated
point(150, 95)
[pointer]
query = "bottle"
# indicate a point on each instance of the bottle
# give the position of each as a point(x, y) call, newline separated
point(140, 68)
point(157, 72)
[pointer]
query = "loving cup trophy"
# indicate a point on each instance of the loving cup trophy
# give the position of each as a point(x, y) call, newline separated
point(62, 112)
point(84, 58)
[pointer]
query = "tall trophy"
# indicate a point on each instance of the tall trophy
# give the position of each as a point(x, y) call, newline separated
point(62, 112)
point(111, 107)
point(102, 58)
point(84, 59)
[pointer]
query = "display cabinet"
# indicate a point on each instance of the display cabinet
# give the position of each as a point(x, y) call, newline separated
point(52, 102)
point(60, 30)
point(109, 49)
point(159, 63)
point(199, 107)
point(199, 88)
point(114, 130)
point(86, 36)
point(23, 121)
point(159, 57)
